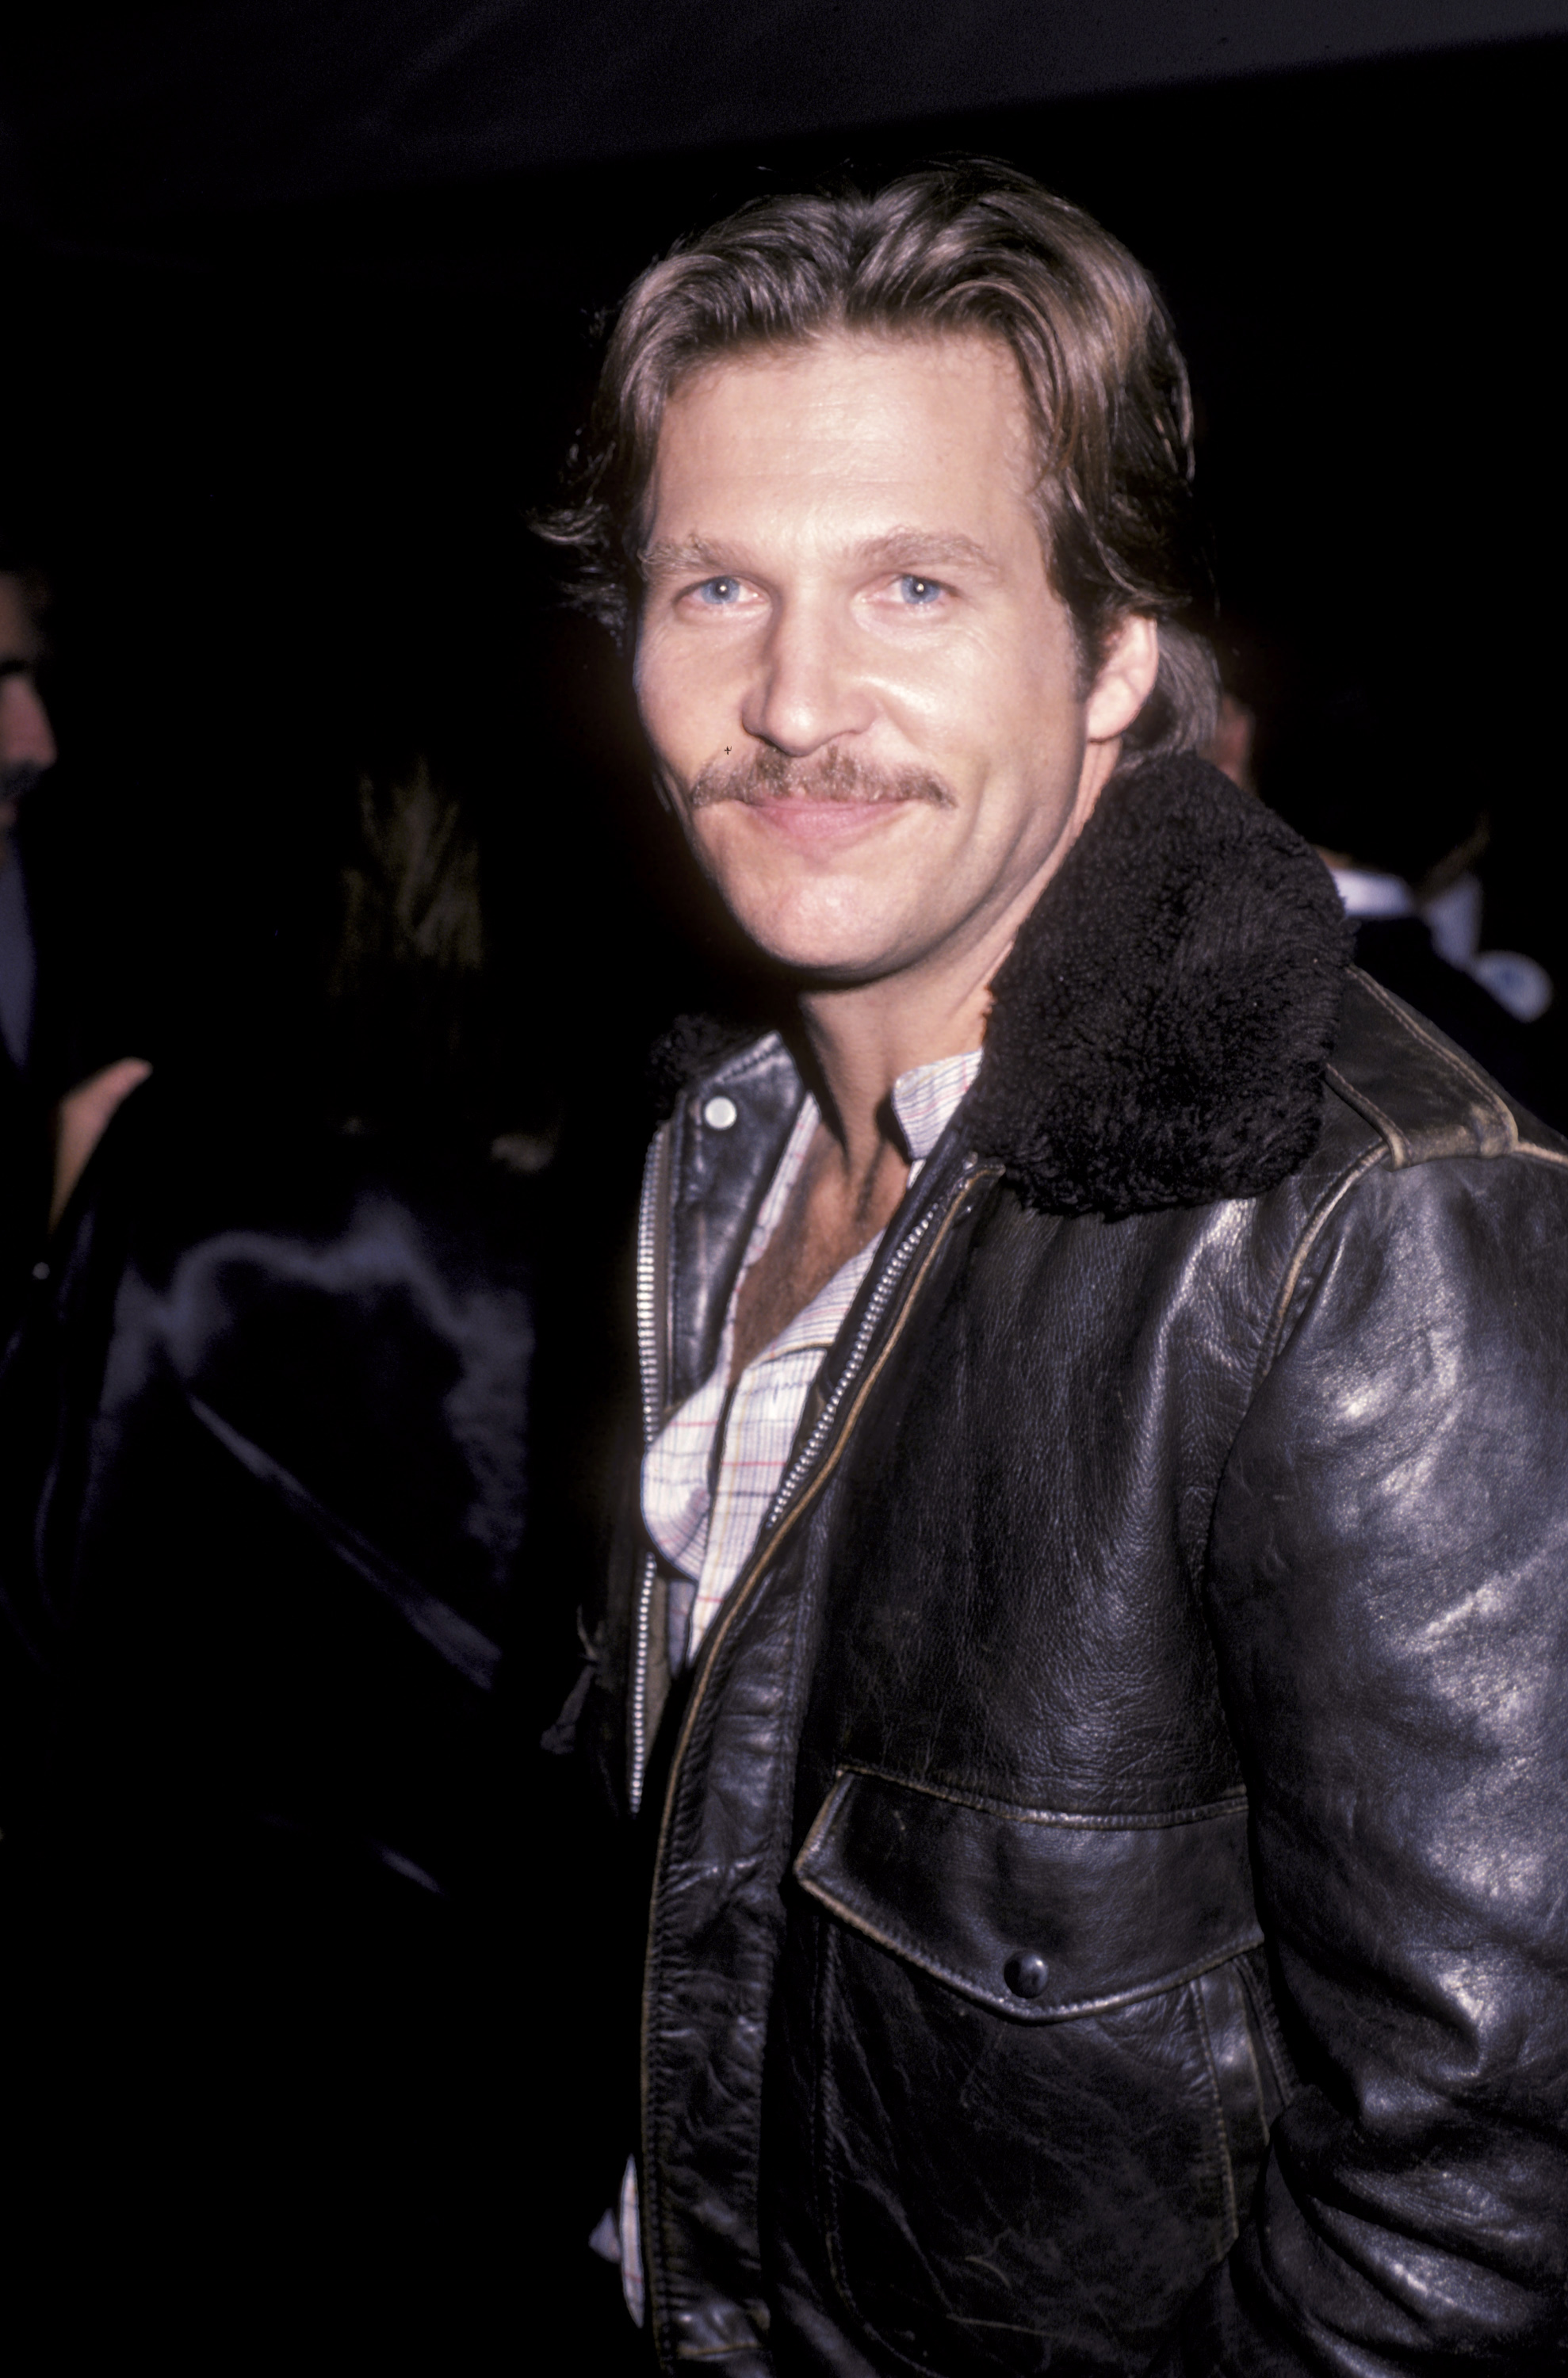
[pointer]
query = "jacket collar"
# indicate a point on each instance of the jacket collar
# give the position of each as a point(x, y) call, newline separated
point(1160, 1028)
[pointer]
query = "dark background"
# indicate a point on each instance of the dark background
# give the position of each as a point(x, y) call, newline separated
point(300, 305)
point(299, 311)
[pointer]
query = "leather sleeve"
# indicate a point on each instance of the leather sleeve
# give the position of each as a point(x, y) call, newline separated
point(1388, 1594)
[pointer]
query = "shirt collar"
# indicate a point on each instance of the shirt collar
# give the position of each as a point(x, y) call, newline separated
point(926, 1099)
point(1367, 893)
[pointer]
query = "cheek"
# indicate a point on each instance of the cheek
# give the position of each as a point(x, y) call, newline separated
point(740, 865)
point(983, 705)
point(1003, 660)
point(943, 697)
point(649, 681)
point(682, 706)
point(1036, 705)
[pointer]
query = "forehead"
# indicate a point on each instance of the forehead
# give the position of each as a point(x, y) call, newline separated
point(850, 422)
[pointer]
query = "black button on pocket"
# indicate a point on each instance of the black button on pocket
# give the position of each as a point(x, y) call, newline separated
point(1025, 1976)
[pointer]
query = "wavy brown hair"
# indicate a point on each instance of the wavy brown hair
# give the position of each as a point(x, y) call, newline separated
point(964, 247)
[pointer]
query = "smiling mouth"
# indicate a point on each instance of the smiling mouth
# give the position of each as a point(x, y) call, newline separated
point(772, 781)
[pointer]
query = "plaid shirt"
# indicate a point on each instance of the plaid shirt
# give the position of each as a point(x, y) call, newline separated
point(711, 1477)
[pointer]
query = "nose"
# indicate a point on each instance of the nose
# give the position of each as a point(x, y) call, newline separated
point(807, 690)
point(25, 732)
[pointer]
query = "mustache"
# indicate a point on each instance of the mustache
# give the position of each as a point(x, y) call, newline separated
point(838, 776)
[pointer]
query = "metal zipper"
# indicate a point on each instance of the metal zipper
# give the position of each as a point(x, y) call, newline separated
point(745, 1585)
point(898, 1264)
point(650, 1330)
point(652, 1318)
point(638, 1761)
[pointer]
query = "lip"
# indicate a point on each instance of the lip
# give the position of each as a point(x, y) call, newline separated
point(833, 822)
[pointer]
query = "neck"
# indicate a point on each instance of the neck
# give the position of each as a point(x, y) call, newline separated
point(863, 1036)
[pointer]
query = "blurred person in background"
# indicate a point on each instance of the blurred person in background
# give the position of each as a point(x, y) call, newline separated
point(48, 1126)
point(1393, 800)
point(266, 1420)
point(27, 754)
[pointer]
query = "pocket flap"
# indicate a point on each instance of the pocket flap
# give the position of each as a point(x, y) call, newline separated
point(1036, 1914)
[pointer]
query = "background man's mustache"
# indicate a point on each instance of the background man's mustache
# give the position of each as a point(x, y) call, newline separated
point(774, 776)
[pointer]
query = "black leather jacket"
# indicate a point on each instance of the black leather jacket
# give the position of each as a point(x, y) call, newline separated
point(1110, 1883)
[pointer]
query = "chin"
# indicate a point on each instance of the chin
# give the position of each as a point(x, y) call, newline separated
point(810, 971)
point(822, 955)
point(843, 925)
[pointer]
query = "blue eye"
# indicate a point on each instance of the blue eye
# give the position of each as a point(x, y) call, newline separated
point(720, 593)
point(919, 592)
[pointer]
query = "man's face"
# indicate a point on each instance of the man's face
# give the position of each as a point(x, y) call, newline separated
point(26, 742)
point(861, 693)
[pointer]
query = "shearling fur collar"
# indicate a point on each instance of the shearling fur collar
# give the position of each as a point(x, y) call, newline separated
point(1160, 1028)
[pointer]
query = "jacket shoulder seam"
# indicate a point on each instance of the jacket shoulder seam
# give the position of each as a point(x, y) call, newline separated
point(1459, 1068)
point(1368, 1109)
point(1334, 1195)
point(1454, 1059)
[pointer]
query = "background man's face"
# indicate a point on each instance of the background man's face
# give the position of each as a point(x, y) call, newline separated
point(862, 694)
point(27, 741)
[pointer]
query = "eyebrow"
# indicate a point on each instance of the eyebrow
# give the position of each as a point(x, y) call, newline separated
point(932, 548)
point(669, 558)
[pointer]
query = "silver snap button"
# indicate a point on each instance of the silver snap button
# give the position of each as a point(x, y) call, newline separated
point(721, 1112)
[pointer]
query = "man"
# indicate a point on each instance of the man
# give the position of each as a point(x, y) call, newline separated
point(1093, 1661)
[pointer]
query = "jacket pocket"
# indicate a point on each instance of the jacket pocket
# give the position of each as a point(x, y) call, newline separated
point(1038, 1914)
point(1030, 2097)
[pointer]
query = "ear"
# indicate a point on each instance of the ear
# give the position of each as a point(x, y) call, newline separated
point(1126, 679)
